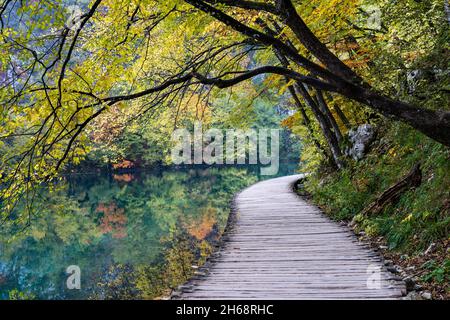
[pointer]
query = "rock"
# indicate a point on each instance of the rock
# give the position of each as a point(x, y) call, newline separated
point(394, 269)
point(426, 295)
point(383, 247)
point(388, 262)
point(410, 284)
point(412, 78)
point(396, 278)
point(360, 138)
point(413, 296)
point(430, 249)
point(418, 287)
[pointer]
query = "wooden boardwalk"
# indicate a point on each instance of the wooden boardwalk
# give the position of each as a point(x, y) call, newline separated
point(277, 246)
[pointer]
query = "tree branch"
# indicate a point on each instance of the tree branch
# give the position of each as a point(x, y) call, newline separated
point(291, 18)
point(265, 39)
point(251, 5)
point(224, 83)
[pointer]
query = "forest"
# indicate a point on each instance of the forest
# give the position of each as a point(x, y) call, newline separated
point(91, 92)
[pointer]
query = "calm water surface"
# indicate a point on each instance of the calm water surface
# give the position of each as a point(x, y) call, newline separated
point(133, 236)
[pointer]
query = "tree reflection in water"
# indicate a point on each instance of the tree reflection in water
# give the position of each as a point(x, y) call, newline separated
point(134, 236)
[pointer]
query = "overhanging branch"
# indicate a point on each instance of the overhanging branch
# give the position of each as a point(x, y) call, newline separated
point(224, 83)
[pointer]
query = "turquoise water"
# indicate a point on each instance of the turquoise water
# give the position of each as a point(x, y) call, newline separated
point(133, 235)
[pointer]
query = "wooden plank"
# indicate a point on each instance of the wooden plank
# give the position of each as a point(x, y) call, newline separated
point(277, 246)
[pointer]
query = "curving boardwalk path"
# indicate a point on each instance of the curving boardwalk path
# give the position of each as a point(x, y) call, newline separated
point(277, 246)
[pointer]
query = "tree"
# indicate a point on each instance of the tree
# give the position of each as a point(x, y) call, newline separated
point(149, 54)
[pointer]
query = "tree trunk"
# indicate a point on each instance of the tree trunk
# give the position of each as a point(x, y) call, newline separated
point(326, 111)
point(341, 79)
point(307, 121)
point(340, 113)
point(412, 180)
point(308, 39)
point(285, 62)
point(327, 133)
point(330, 137)
point(434, 124)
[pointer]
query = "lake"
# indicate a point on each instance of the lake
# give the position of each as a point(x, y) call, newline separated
point(131, 235)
